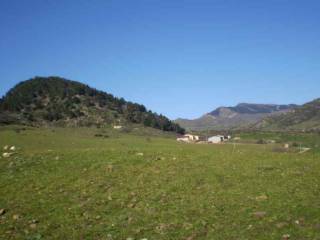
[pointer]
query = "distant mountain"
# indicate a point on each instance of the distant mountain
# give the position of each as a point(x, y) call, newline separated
point(240, 116)
point(305, 117)
point(58, 101)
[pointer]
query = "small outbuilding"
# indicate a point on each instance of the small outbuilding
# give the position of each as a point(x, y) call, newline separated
point(192, 137)
point(188, 138)
point(216, 139)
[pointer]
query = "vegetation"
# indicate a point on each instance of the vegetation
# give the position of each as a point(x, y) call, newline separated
point(74, 183)
point(305, 117)
point(58, 101)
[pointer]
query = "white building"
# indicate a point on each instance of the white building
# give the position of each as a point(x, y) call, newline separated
point(216, 139)
point(188, 138)
point(192, 137)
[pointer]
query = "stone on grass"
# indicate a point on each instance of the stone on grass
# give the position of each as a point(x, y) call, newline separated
point(131, 205)
point(285, 236)
point(139, 154)
point(33, 226)
point(261, 197)
point(2, 211)
point(6, 154)
point(281, 224)
point(259, 214)
point(6, 147)
point(110, 168)
point(12, 148)
point(15, 217)
point(33, 221)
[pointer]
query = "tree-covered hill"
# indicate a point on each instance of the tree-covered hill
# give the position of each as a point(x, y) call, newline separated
point(58, 101)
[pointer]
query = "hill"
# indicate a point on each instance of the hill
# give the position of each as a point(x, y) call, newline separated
point(240, 116)
point(305, 117)
point(58, 101)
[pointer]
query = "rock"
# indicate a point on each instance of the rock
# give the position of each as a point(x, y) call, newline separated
point(281, 224)
point(131, 205)
point(110, 168)
point(6, 154)
point(133, 194)
point(261, 198)
point(33, 225)
point(259, 214)
point(15, 217)
point(6, 147)
point(192, 237)
point(33, 221)
point(299, 221)
point(12, 148)
point(2, 211)
point(285, 236)
point(139, 154)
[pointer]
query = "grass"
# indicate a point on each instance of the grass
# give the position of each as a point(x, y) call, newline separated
point(71, 184)
point(311, 140)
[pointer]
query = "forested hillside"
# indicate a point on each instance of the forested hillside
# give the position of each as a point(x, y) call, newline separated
point(58, 101)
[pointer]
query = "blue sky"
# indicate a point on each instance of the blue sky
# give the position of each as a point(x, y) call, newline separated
point(179, 58)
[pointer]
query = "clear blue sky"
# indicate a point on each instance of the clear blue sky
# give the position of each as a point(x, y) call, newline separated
point(179, 58)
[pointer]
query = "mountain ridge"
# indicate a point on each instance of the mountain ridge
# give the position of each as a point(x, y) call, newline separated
point(240, 116)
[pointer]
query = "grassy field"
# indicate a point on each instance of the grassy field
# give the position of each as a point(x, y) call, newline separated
point(311, 140)
point(105, 184)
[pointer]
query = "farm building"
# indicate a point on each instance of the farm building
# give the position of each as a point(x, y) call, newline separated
point(192, 137)
point(218, 138)
point(188, 138)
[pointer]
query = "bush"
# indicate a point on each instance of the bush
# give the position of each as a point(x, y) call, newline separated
point(295, 144)
point(261, 141)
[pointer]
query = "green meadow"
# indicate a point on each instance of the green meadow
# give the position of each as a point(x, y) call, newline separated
point(95, 183)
